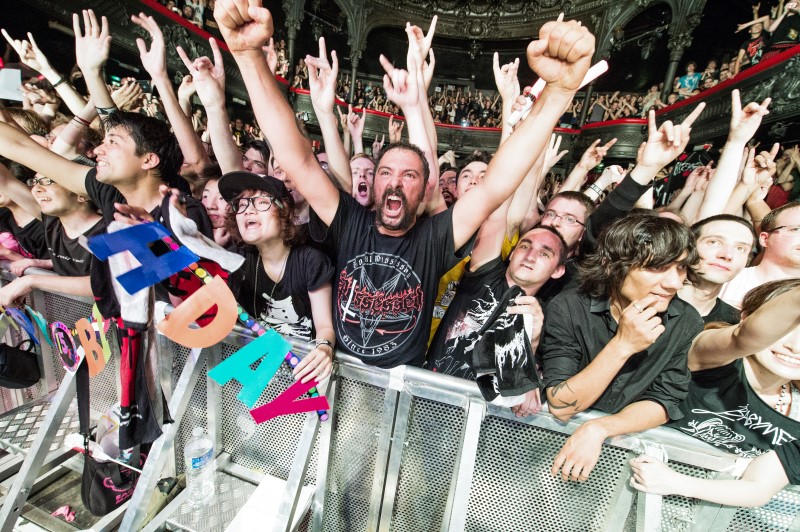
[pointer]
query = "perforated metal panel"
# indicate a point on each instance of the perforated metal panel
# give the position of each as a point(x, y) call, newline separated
point(195, 415)
point(775, 516)
point(268, 447)
point(429, 458)
point(351, 463)
point(677, 513)
point(513, 489)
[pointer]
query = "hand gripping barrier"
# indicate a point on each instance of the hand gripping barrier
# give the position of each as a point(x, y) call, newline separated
point(403, 451)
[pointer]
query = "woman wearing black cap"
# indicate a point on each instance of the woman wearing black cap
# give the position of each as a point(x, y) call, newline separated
point(283, 284)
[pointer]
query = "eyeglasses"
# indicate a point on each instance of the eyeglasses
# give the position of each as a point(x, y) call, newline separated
point(568, 219)
point(260, 203)
point(791, 230)
point(32, 182)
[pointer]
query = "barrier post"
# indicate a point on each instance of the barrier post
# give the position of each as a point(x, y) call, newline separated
point(23, 482)
point(323, 456)
point(455, 515)
point(398, 444)
point(137, 508)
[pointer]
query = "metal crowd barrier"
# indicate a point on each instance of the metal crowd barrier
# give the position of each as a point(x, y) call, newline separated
point(403, 450)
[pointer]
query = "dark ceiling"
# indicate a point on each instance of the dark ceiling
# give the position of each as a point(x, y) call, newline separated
point(713, 38)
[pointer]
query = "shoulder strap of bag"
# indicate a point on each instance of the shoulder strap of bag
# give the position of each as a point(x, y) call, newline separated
point(82, 385)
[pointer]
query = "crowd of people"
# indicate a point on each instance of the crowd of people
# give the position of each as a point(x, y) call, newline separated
point(580, 295)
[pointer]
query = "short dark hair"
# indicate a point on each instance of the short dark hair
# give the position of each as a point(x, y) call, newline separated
point(580, 197)
point(291, 233)
point(763, 293)
point(697, 228)
point(636, 241)
point(476, 156)
point(150, 135)
point(403, 145)
point(261, 147)
point(563, 249)
point(770, 221)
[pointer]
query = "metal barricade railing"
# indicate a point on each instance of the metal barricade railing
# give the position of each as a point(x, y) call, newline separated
point(409, 450)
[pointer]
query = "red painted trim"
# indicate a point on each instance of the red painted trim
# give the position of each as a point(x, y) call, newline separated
point(152, 4)
point(750, 72)
point(618, 122)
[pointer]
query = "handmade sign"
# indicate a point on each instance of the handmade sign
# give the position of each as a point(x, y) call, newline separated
point(268, 348)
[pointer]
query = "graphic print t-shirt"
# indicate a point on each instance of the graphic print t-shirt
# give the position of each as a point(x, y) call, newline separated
point(477, 297)
point(284, 306)
point(69, 257)
point(723, 410)
point(384, 287)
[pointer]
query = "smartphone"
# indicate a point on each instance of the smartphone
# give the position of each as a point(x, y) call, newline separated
point(145, 84)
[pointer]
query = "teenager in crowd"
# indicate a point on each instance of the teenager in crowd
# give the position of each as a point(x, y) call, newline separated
point(741, 373)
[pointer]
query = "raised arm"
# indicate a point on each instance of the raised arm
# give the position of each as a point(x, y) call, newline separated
point(590, 159)
point(245, 29)
point(355, 127)
point(561, 56)
point(209, 81)
point(744, 124)
point(155, 62)
point(508, 89)
point(322, 83)
point(772, 321)
point(31, 56)
point(18, 192)
point(19, 147)
point(91, 53)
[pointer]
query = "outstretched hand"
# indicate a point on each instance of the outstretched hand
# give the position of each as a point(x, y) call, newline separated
point(562, 55)
point(595, 153)
point(208, 78)
point(245, 26)
point(400, 85)
point(355, 123)
point(322, 78)
point(29, 54)
point(745, 121)
point(664, 144)
point(92, 46)
point(506, 79)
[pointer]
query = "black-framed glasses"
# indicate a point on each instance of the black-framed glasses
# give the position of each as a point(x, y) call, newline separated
point(44, 181)
point(791, 230)
point(260, 203)
point(567, 219)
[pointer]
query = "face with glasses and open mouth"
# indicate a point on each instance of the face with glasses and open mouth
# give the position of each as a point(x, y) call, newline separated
point(256, 216)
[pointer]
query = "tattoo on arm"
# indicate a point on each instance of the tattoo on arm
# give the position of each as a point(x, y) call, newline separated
point(560, 404)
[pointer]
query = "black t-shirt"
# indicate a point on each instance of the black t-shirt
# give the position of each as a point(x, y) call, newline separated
point(754, 49)
point(30, 237)
point(477, 296)
point(724, 411)
point(723, 312)
point(385, 286)
point(284, 306)
point(69, 257)
point(787, 32)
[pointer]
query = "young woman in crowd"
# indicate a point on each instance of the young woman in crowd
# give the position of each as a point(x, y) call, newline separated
point(742, 399)
point(283, 284)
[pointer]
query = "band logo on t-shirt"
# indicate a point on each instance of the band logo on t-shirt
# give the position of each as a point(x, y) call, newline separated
point(380, 299)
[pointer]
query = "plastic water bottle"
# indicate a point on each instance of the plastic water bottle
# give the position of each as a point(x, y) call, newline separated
point(199, 458)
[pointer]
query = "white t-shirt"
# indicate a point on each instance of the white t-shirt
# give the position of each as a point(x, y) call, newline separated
point(733, 291)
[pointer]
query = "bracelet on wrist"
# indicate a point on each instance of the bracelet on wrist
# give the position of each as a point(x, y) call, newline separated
point(81, 121)
point(59, 82)
point(105, 111)
point(322, 341)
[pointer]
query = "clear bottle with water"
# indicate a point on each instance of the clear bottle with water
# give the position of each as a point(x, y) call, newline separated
point(199, 459)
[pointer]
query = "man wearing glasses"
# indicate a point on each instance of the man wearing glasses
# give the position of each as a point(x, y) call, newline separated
point(780, 237)
point(66, 217)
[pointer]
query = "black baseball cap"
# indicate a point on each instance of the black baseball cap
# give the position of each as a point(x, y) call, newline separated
point(234, 183)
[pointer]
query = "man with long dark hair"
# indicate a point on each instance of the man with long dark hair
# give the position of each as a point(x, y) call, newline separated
point(619, 343)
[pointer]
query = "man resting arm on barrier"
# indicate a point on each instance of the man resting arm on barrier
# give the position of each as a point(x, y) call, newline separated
point(388, 262)
point(619, 343)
